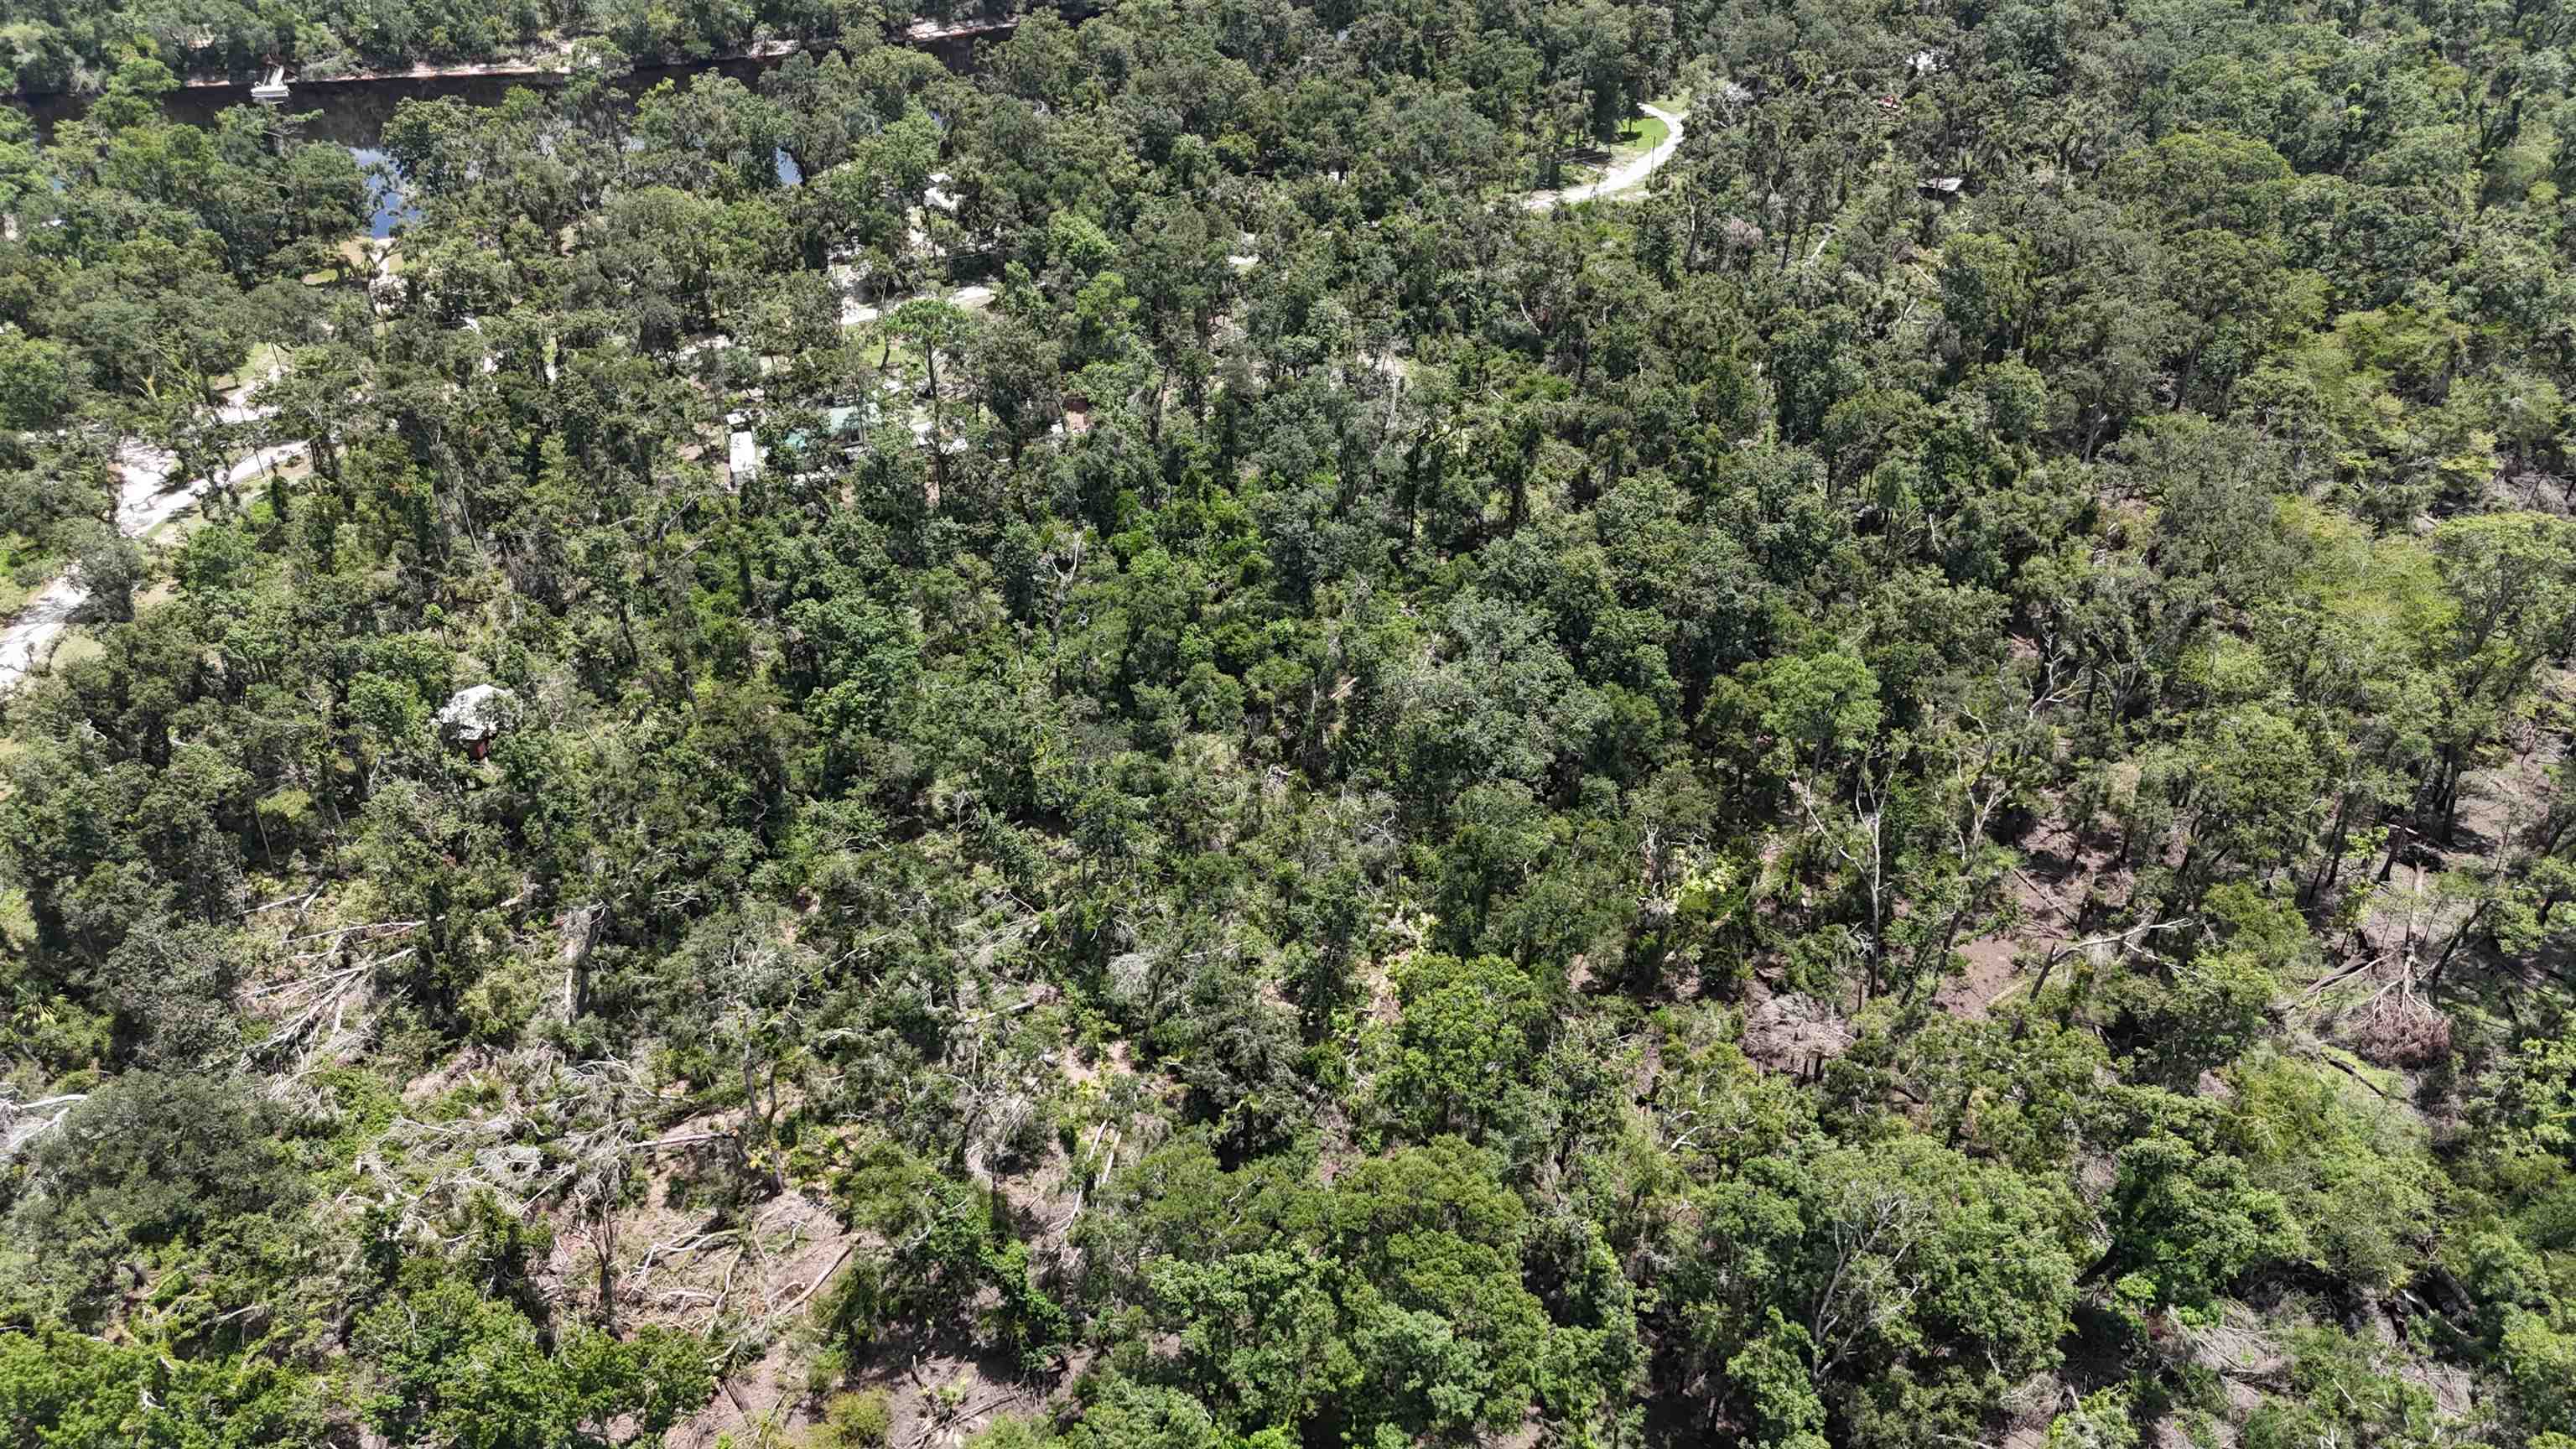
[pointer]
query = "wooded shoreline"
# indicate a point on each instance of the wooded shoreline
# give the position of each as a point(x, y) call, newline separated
point(557, 64)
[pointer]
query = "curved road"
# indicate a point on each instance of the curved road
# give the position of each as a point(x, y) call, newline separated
point(1620, 178)
point(145, 503)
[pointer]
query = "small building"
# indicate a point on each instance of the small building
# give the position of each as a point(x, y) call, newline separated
point(474, 717)
point(1941, 188)
point(843, 426)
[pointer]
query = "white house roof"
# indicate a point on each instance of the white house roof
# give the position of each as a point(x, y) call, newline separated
point(475, 713)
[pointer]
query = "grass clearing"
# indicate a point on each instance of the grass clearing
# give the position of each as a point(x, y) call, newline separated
point(171, 533)
point(264, 358)
point(1643, 134)
point(1639, 136)
point(891, 355)
point(76, 646)
point(250, 493)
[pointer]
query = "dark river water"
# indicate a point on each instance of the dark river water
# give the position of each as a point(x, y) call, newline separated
point(352, 114)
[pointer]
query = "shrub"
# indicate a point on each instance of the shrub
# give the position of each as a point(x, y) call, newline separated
point(862, 1420)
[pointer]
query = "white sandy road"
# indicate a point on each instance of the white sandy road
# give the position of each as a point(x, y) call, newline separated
point(1620, 178)
point(145, 502)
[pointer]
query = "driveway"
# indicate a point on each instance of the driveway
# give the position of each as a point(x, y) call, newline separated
point(143, 503)
point(1620, 178)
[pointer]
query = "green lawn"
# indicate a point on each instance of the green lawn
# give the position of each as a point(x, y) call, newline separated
point(263, 359)
point(74, 646)
point(1643, 134)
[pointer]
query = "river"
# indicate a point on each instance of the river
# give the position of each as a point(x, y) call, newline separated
point(352, 113)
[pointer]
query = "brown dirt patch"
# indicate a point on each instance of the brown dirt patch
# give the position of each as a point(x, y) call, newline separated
point(1795, 1033)
point(1992, 973)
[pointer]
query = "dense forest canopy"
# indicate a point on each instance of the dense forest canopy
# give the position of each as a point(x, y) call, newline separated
point(1127, 750)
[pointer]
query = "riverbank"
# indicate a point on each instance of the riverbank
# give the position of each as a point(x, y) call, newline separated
point(558, 61)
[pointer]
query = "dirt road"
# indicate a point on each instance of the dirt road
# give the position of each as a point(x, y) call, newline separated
point(145, 502)
point(1620, 178)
